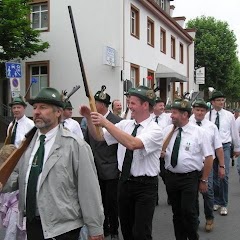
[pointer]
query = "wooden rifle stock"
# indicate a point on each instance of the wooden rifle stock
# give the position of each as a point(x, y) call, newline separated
point(85, 82)
point(10, 163)
point(9, 134)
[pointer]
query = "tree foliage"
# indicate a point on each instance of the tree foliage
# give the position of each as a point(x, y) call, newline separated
point(216, 50)
point(17, 38)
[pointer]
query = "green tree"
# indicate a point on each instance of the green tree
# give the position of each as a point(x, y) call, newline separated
point(17, 38)
point(216, 50)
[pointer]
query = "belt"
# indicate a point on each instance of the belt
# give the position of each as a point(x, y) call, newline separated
point(182, 174)
point(143, 179)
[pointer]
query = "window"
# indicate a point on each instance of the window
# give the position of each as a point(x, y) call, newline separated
point(163, 40)
point(40, 15)
point(181, 53)
point(134, 28)
point(150, 32)
point(134, 75)
point(173, 47)
point(38, 74)
point(150, 79)
point(162, 4)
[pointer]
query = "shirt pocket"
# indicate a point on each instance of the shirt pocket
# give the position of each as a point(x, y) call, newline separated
point(190, 147)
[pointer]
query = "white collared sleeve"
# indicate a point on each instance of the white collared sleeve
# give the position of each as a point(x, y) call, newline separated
point(235, 135)
point(151, 139)
point(217, 142)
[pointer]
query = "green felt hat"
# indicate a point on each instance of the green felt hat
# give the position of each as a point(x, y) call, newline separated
point(216, 94)
point(67, 105)
point(48, 95)
point(144, 93)
point(101, 96)
point(158, 100)
point(200, 103)
point(182, 104)
point(18, 101)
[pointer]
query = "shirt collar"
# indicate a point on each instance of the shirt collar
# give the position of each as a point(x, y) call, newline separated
point(215, 111)
point(106, 113)
point(145, 122)
point(21, 119)
point(195, 120)
point(49, 135)
point(185, 127)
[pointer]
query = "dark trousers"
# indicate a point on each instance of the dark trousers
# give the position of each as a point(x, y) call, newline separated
point(136, 201)
point(183, 192)
point(109, 199)
point(35, 232)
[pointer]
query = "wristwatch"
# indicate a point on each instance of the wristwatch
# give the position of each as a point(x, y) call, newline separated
point(204, 181)
point(222, 166)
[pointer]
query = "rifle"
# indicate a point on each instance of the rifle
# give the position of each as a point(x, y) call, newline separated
point(126, 113)
point(68, 95)
point(86, 85)
point(8, 166)
point(9, 133)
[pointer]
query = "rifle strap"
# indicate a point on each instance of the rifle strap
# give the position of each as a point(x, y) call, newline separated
point(167, 139)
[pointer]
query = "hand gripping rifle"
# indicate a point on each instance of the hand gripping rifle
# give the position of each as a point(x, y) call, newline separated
point(86, 85)
point(10, 163)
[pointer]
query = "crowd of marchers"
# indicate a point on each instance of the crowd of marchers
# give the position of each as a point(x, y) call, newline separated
point(88, 181)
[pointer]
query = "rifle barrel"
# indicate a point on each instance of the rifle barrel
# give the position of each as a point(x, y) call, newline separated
point(79, 52)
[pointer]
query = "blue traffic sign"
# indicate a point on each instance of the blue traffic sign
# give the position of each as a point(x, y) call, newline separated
point(13, 70)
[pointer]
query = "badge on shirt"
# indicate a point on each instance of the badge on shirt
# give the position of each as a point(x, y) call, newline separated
point(187, 148)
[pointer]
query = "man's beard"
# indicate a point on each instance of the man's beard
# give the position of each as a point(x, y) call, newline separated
point(42, 124)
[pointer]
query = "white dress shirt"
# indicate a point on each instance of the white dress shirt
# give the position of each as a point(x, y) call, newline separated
point(163, 120)
point(212, 131)
point(238, 125)
point(73, 126)
point(145, 160)
point(227, 127)
point(24, 126)
point(194, 145)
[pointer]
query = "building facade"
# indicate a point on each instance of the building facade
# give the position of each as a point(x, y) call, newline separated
point(130, 41)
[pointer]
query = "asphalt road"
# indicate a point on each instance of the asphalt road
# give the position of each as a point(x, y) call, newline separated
point(225, 227)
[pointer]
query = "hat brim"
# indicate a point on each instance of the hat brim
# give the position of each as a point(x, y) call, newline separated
point(222, 96)
point(200, 106)
point(99, 100)
point(150, 101)
point(46, 100)
point(189, 110)
point(16, 103)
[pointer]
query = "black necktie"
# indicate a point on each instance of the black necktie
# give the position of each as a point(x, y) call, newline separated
point(36, 169)
point(13, 136)
point(174, 157)
point(217, 120)
point(199, 123)
point(156, 119)
point(128, 159)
